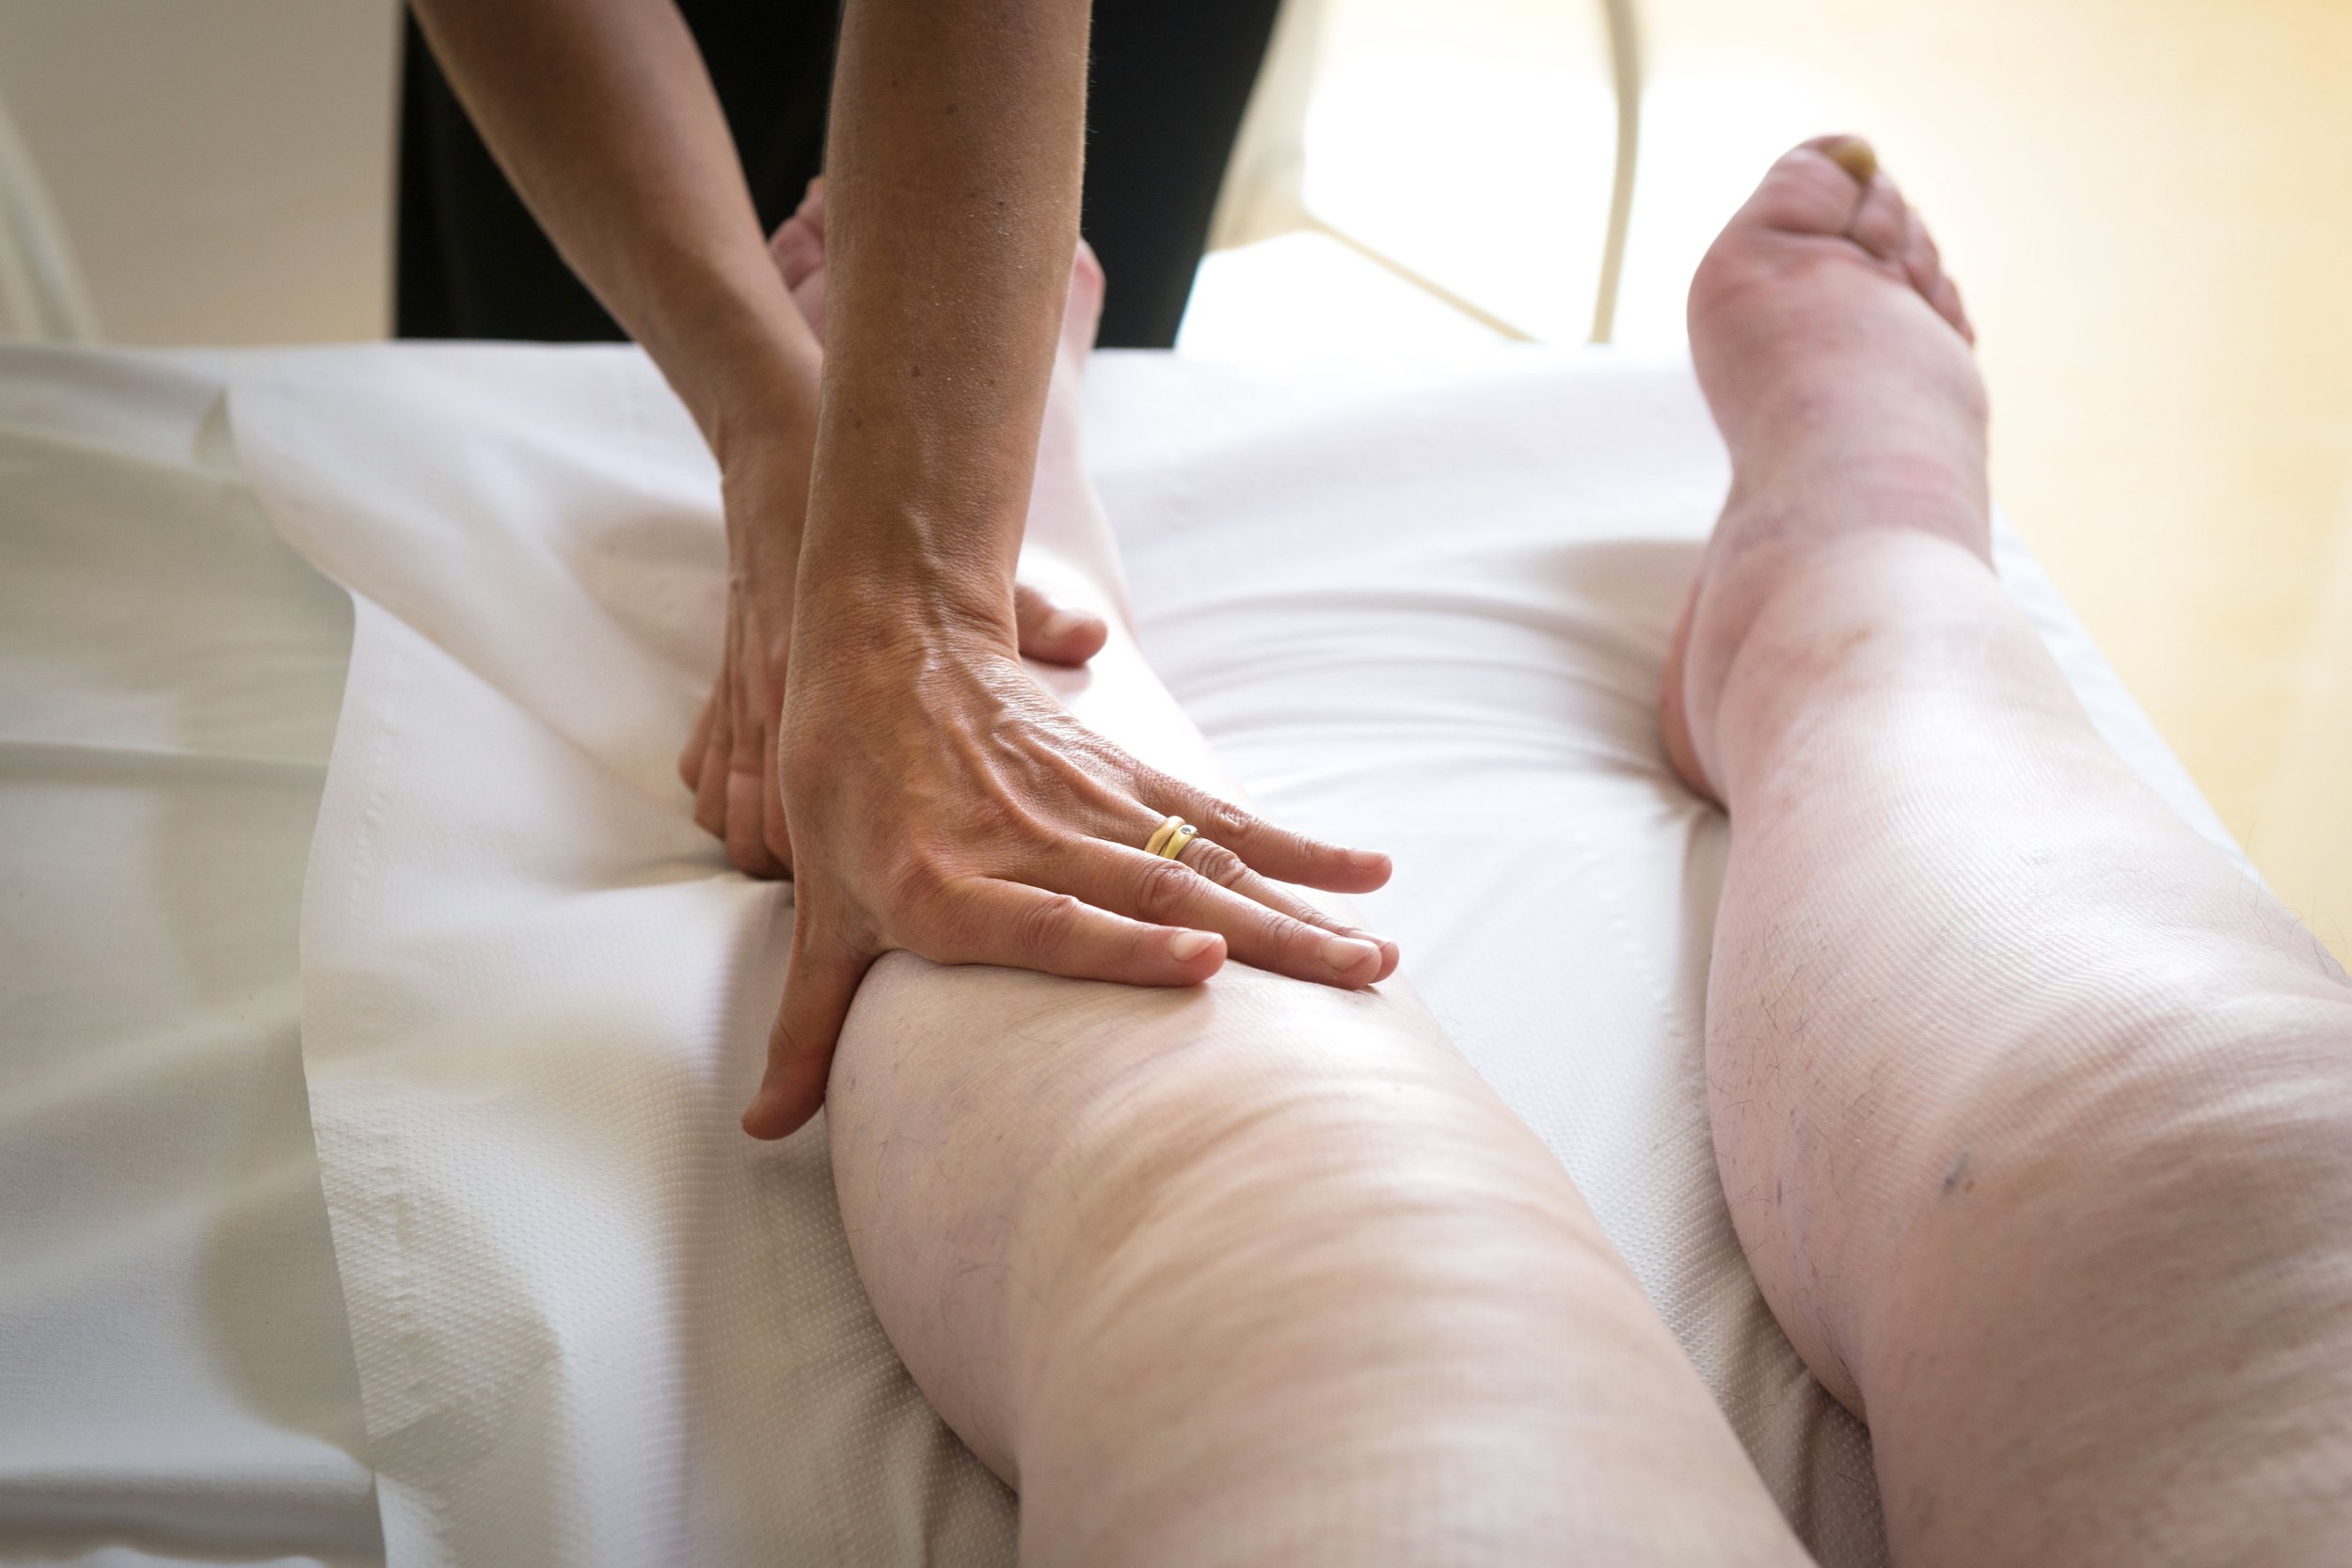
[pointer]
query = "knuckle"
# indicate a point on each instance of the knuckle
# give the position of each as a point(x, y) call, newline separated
point(1274, 898)
point(1282, 933)
point(917, 884)
point(1032, 829)
point(1220, 865)
point(1222, 819)
point(1047, 924)
point(1162, 887)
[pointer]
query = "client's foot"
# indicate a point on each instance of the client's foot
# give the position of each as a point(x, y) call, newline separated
point(1835, 355)
point(1051, 631)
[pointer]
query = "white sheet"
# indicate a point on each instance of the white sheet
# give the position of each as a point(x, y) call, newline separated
point(590, 1322)
point(175, 1379)
point(1426, 613)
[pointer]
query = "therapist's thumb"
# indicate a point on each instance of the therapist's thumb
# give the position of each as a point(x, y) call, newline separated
point(1051, 633)
point(818, 984)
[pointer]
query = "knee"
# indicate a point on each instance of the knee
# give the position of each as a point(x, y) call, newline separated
point(2194, 1085)
point(2153, 1178)
point(2134, 1240)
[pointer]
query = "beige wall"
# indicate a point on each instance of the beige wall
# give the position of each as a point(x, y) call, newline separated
point(223, 168)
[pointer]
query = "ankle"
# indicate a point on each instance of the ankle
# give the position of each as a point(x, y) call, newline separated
point(1788, 632)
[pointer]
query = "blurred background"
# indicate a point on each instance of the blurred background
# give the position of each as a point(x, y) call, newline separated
point(2147, 202)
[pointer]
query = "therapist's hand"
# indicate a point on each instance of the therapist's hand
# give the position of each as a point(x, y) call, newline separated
point(763, 439)
point(942, 803)
point(729, 760)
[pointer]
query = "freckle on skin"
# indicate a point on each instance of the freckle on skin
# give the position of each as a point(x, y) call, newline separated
point(1952, 1177)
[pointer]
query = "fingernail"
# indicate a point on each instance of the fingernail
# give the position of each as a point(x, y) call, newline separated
point(1346, 955)
point(1366, 859)
point(1184, 946)
point(1064, 623)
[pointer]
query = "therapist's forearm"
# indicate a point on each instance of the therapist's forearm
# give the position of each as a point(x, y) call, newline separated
point(951, 215)
point(604, 118)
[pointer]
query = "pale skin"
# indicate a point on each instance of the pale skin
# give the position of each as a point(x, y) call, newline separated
point(2032, 1112)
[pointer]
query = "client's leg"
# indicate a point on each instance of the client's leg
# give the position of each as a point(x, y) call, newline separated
point(2034, 1113)
point(1256, 1272)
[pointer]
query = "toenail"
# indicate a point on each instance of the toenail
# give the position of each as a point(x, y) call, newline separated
point(1855, 155)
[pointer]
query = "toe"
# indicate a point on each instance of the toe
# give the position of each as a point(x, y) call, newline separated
point(1809, 190)
point(1945, 298)
point(1854, 154)
point(1882, 224)
point(1923, 264)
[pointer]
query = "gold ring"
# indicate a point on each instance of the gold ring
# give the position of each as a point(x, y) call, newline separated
point(1177, 842)
point(1159, 834)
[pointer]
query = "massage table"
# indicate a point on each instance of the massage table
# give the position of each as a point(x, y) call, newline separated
point(378, 1019)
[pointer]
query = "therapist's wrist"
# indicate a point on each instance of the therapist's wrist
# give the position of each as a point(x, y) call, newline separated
point(875, 584)
point(743, 360)
point(755, 397)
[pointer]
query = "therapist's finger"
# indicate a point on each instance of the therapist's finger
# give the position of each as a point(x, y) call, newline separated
point(768, 701)
point(746, 826)
point(1151, 888)
point(690, 761)
point(987, 920)
point(1211, 860)
point(778, 833)
point(746, 833)
point(710, 789)
point(1274, 851)
point(1229, 871)
point(819, 982)
point(1052, 634)
point(773, 828)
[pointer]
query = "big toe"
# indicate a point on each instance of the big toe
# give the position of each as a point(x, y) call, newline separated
point(1834, 187)
point(1822, 186)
